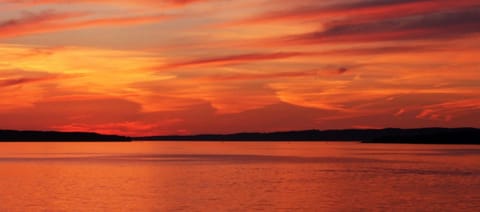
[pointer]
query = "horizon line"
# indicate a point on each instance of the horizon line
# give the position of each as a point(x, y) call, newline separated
point(236, 133)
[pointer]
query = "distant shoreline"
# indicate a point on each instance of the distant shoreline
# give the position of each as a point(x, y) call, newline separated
point(384, 136)
point(52, 136)
point(388, 135)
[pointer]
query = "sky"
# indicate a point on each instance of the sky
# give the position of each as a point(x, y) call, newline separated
point(157, 67)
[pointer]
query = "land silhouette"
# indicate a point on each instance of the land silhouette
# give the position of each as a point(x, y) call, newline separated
point(34, 136)
point(388, 135)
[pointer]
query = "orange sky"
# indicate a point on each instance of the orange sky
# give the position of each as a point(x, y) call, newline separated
point(153, 67)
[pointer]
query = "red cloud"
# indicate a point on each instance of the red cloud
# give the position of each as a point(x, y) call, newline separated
point(234, 59)
point(25, 80)
point(28, 80)
point(263, 76)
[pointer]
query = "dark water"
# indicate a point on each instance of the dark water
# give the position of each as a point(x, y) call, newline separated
point(209, 176)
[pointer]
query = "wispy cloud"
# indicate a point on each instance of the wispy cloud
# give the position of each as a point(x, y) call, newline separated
point(24, 80)
point(447, 111)
point(261, 76)
point(51, 21)
point(139, 2)
point(361, 10)
point(233, 59)
point(442, 25)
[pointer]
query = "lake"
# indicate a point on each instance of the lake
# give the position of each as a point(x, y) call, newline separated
point(236, 176)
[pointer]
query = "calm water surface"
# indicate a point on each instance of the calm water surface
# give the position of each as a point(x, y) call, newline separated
point(209, 176)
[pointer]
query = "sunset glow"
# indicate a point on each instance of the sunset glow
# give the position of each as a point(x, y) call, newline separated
point(154, 67)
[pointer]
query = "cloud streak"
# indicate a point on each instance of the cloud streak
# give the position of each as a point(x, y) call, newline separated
point(113, 2)
point(361, 10)
point(51, 21)
point(24, 80)
point(442, 25)
point(233, 59)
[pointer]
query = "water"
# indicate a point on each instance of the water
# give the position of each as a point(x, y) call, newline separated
point(210, 176)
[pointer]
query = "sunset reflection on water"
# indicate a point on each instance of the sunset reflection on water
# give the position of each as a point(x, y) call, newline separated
point(212, 176)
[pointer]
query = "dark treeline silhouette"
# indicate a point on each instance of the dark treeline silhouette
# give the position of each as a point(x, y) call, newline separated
point(389, 135)
point(14, 135)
